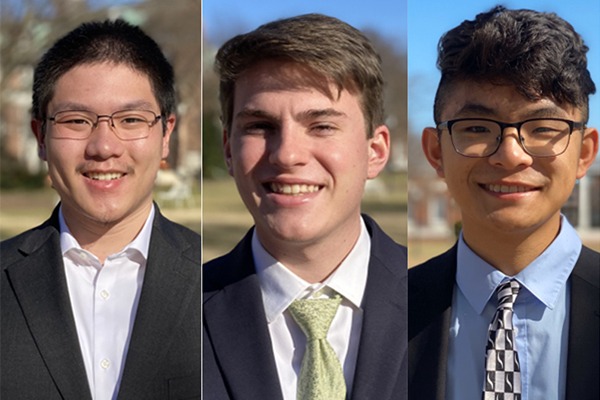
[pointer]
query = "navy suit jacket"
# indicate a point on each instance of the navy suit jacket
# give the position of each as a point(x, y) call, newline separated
point(431, 287)
point(40, 353)
point(237, 353)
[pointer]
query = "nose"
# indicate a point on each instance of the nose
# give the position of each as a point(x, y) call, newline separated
point(510, 154)
point(288, 148)
point(103, 143)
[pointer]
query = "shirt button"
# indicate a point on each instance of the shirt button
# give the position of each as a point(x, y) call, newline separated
point(104, 294)
point(105, 363)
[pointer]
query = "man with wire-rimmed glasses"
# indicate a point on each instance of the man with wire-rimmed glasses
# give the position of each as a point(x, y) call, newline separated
point(511, 311)
point(102, 301)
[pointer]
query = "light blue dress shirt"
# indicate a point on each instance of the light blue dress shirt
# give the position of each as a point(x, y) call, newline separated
point(541, 318)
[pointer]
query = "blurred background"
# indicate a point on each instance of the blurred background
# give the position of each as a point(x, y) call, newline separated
point(432, 215)
point(27, 29)
point(225, 219)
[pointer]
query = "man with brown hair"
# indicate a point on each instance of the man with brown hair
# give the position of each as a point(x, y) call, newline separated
point(511, 311)
point(303, 131)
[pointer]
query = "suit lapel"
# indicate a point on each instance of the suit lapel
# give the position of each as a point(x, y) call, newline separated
point(430, 300)
point(235, 321)
point(40, 285)
point(383, 343)
point(584, 329)
point(171, 278)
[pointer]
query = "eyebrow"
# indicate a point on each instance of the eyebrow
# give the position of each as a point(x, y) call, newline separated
point(482, 110)
point(134, 105)
point(301, 116)
point(319, 113)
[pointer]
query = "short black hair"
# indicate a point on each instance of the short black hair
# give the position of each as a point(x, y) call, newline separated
point(104, 41)
point(539, 53)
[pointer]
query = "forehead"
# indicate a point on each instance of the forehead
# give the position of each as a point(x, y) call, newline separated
point(500, 101)
point(281, 77)
point(103, 84)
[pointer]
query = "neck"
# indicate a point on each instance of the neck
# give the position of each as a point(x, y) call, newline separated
point(105, 238)
point(508, 251)
point(316, 260)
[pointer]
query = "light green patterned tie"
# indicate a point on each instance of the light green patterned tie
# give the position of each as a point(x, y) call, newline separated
point(321, 375)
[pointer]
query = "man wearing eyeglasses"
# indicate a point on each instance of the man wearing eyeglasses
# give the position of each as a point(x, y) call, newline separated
point(511, 311)
point(102, 301)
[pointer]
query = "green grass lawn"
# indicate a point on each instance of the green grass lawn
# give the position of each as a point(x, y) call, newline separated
point(24, 209)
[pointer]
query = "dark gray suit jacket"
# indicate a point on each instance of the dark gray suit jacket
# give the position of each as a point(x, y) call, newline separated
point(431, 287)
point(237, 353)
point(40, 354)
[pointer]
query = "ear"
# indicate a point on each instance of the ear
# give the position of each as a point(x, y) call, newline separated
point(37, 127)
point(589, 150)
point(170, 126)
point(379, 151)
point(430, 141)
point(227, 151)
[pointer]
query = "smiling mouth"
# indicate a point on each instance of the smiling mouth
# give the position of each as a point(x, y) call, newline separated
point(508, 188)
point(104, 176)
point(292, 189)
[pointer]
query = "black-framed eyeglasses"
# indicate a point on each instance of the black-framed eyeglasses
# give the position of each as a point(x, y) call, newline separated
point(481, 137)
point(126, 124)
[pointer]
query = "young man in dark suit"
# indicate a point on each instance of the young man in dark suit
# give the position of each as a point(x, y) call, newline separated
point(303, 131)
point(102, 301)
point(511, 311)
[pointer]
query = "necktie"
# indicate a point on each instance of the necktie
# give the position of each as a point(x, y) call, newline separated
point(502, 369)
point(321, 375)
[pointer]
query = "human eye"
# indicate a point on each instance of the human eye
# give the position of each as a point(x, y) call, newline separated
point(258, 128)
point(545, 128)
point(323, 129)
point(473, 128)
point(73, 120)
point(131, 119)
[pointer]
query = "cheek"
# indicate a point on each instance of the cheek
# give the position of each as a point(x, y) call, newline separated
point(246, 153)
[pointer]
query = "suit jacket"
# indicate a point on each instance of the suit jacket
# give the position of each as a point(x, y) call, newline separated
point(237, 352)
point(431, 287)
point(40, 353)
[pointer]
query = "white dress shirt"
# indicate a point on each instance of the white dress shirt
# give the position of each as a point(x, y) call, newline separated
point(280, 287)
point(104, 300)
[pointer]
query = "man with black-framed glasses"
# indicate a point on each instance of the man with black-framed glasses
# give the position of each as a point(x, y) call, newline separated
point(102, 301)
point(511, 311)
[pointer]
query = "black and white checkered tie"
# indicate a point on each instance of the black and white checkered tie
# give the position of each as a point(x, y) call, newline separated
point(502, 368)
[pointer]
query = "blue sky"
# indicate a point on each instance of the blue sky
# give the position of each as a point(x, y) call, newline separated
point(225, 18)
point(427, 20)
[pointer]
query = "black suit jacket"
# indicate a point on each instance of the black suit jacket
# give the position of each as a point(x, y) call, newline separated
point(237, 353)
point(431, 288)
point(40, 353)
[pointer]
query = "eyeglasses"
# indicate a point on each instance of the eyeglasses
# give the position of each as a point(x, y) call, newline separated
point(126, 124)
point(539, 137)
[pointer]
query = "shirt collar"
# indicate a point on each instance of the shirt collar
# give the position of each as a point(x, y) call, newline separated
point(544, 278)
point(280, 287)
point(141, 243)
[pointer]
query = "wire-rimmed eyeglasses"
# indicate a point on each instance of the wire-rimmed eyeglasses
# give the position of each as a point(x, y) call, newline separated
point(126, 124)
point(481, 137)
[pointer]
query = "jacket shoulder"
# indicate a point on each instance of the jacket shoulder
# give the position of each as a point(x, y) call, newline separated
point(18, 247)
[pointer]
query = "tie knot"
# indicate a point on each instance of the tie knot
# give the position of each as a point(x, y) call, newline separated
point(315, 315)
point(507, 294)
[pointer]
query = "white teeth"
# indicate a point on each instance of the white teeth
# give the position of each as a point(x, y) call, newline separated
point(104, 176)
point(294, 189)
point(507, 189)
